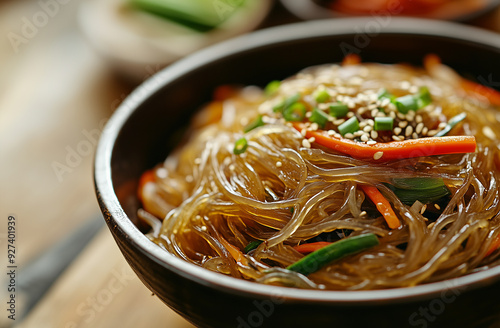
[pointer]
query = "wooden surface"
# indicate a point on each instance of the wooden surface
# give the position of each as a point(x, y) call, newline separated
point(55, 94)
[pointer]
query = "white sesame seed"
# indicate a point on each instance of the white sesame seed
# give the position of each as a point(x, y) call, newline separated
point(418, 119)
point(423, 209)
point(397, 130)
point(358, 133)
point(197, 161)
point(424, 130)
point(401, 116)
point(370, 122)
point(487, 131)
point(203, 228)
point(312, 139)
point(374, 134)
point(279, 164)
point(306, 143)
point(413, 89)
point(309, 114)
point(374, 112)
point(362, 110)
point(364, 138)
point(419, 128)
point(363, 213)
point(431, 133)
point(431, 225)
point(189, 178)
point(380, 114)
point(409, 131)
point(350, 114)
point(362, 124)
point(314, 126)
point(410, 117)
point(303, 132)
point(378, 155)
point(331, 132)
point(351, 104)
point(442, 125)
point(367, 128)
point(391, 107)
point(415, 135)
point(232, 167)
point(385, 102)
point(405, 85)
point(349, 136)
point(339, 121)
point(372, 106)
point(392, 114)
point(403, 124)
point(437, 206)
point(371, 142)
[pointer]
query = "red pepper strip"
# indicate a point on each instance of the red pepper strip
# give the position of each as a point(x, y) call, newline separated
point(383, 206)
point(311, 247)
point(395, 149)
point(494, 246)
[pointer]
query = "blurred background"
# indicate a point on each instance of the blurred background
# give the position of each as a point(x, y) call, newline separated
point(65, 66)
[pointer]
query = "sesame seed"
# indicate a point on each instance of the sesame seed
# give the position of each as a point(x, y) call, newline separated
point(413, 89)
point(367, 128)
point(364, 138)
point(385, 102)
point(397, 130)
point(432, 133)
point(437, 206)
point(405, 85)
point(306, 143)
point(380, 114)
point(197, 161)
point(349, 136)
point(350, 114)
point(442, 125)
point(401, 116)
point(370, 122)
point(358, 133)
point(309, 114)
point(372, 106)
point(339, 121)
point(424, 130)
point(378, 155)
point(487, 131)
point(414, 135)
point(314, 126)
point(374, 134)
point(351, 104)
point(374, 112)
point(303, 132)
point(363, 213)
point(392, 107)
point(244, 121)
point(418, 119)
point(410, 117)
point(403, 124)
point(312, 139)
point(419, 128)
point(398, 138)
point(331, 132)
point(392, 114)
point(279, 164)
point(232, 167)
point(431, 225)
point(203, 228)
point(189, 178)
point(409, 130)
point(371, 142)
point(362, 110)
point(423, 209)
point(362, 124)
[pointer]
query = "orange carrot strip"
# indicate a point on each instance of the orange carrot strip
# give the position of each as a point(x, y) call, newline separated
point(234, 251)
point(351, 59)
point(494, 246)
point(146, 177)
point(383, 206)
point(311, 247)
point(395, 149)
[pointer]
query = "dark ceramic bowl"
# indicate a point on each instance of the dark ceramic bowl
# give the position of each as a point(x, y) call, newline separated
point(148, 124)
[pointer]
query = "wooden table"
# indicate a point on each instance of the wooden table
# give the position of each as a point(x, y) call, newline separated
point(55, 94)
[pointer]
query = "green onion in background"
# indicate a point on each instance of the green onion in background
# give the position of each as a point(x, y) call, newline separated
point(321, 96)
point(295, 112)
point(319, 117)
point(201, 15)
point(272, 87)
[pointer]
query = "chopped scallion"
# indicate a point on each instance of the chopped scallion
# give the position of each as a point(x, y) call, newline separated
point(384, 93)
point(339, 110)
point(272, 87)
point(240, 146)
point(252, 245)
point(295, 112)
point(451, 124)
point(423, 189)
point(349, 126)
point(321, 96)
point(383, 123)
point(406, 103)
point(424, 97)
point(254, 124)
point(282, 106)
point(318, 116)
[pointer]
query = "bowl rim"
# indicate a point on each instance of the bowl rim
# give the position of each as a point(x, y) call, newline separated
point(285, 33)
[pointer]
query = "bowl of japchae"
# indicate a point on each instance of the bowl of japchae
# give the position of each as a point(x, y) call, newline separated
point(314, 175)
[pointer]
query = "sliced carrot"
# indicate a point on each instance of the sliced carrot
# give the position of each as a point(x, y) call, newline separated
point(494, 246)
point(351, 59)
point(234, 251)
point(383, 206)
point(146, 177)
point(395, 149)
point(311, 247)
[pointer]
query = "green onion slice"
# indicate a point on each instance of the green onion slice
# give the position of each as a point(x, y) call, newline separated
point(335, 251)
point(451, 124)
point(318, 116)
point(254, 124)
point(383, 123)
point(349, 126)
point(272, 87)
point(295, 112)
point(240, 146)
point(339, 110)
point(321, 96)
point(406, 103)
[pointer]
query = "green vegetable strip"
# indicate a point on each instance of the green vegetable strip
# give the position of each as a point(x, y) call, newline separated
point(383, 123)
point(295, 112)
point(349, 126)
point(424, 97)
point(255, 124)
point(451, 124)
point(252, 245)
point(272, 87)
point(406, 103)
point(339, 110)
point(240, 146)
point(196, 14)
point(425, 190)
point(383, 93)
point(286, 103)
point(340, 249)
point(319, 117)
point(321, 96)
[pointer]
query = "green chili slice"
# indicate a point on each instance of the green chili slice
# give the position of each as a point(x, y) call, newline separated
point(240, 146)
point(295, 112)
